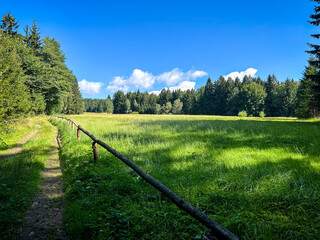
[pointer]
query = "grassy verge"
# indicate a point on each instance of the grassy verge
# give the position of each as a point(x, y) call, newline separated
point(16, 131)
point(258, 178)
point(20, 177)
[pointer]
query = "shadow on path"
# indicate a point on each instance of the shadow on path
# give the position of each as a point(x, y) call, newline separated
point(44, 219)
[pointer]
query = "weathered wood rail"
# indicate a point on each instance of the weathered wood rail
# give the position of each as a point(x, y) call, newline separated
point(216, 230)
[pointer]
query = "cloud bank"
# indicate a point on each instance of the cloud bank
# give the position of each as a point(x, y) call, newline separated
point(91, 88)
point(249, 72)
point(139, 79)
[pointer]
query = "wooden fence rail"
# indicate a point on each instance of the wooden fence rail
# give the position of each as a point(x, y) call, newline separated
point(217, 231)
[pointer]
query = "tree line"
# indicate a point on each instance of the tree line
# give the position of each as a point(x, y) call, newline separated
point(34, 78)
point(221, 97)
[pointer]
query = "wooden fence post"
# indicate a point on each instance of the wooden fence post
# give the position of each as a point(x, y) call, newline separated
point(95, 151)
point(78, 133)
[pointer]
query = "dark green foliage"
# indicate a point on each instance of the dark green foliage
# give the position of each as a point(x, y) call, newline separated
point(253, 96)
point(222, 97)
point(271, 84)
point(9, 25)
point(207, 99)
point(14, 95)
point(34, 76)
point(188, 101)
point(311, 80)
point(32, 38)
point(165, 96)
point(307, 102)
point(119, 102)
point(222, 91)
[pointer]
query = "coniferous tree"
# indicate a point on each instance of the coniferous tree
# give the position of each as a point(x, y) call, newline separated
point(119, 102)
point(314, 78)
point(32, 38)
point(222, 90)
point(9, 25)
point(271, 85)
point(306, 99)
point(207, 99)
point(188, 101)
point(14, 95)
point(253, 95)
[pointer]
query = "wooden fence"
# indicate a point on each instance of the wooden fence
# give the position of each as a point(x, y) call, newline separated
point(216, 230)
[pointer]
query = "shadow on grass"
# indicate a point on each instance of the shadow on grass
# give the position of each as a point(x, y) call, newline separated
point(266, 200)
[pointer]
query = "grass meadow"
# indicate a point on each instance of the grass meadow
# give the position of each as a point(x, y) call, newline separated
point(259, 178)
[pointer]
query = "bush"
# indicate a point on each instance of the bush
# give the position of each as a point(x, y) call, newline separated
point(134, 113)
point(262, 114)
point(242, 114)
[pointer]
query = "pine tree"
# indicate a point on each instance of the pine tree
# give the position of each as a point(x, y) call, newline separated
point(32, 38)
point(207, 99)
point(315, 78)
point(307, 102)
point(271, 84)
point(9, 25)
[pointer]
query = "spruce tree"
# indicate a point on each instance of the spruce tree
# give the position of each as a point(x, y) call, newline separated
point(306, 102)
point(119, 102)
point(207, 99)
point(315, 78)
point(9, 25)
point(271, 85)
point(32, 38)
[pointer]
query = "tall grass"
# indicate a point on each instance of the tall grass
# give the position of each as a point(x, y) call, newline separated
point(257, 177)
point(15, 131)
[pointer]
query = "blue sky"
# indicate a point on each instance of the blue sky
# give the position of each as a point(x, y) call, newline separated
point(152, 44)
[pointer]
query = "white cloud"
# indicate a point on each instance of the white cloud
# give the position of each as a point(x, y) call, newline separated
point(249, 72)
point(145, 80)
point(177, 76)
point(91, 88)
point(155, 92)
point(183, 86)
point(138, 79)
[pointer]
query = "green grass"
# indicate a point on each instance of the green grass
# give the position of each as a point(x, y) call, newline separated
point(16, 131)
point(20, 176)
point(257, 177)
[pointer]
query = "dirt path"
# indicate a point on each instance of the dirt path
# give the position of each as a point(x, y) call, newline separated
point(44, 218)
point(18, 147)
